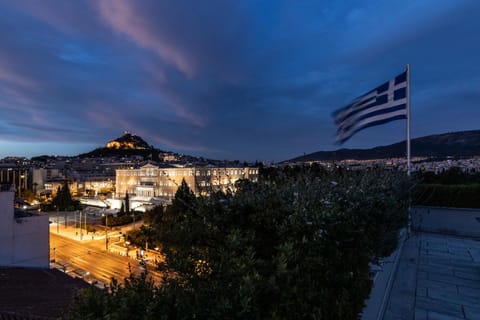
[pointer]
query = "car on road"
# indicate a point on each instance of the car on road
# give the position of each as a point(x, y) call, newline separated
point(62, 266)
point(80, 273)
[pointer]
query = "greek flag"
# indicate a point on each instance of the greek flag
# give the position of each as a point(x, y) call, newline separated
point(383, 104)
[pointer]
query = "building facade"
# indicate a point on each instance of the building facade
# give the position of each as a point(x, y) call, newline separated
point(16, 176)
point(154, 181)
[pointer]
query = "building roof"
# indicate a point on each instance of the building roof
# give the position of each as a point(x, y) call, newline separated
point(27, 293)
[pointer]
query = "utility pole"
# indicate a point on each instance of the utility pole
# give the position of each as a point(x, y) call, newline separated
point(133, 220)
point(58, 231)
point(106, 233)
point(81, 225)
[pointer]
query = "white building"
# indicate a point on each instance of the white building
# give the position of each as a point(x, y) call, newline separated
point(24, 237)
point(41, 176)
point(154, 181)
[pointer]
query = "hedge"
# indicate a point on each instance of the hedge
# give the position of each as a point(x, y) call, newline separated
point(459, 196)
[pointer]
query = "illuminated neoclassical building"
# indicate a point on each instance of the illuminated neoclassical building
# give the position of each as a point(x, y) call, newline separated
point(154, 181)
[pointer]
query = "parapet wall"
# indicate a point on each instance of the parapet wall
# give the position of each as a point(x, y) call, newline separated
point(24, 241)
point(452, 221)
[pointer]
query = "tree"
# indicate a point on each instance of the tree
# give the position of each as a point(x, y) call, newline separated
point(127, 204)
point(153, 217)
point(297, 246)
point(122, 210)
point(63, 199)
point(125, 207)
point(184, 200)
point(183, 206)
point(132, 300)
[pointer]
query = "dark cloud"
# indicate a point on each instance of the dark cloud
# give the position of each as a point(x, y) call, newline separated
point(242, 80)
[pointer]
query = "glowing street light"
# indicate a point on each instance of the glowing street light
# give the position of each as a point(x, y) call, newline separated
point(106, 231)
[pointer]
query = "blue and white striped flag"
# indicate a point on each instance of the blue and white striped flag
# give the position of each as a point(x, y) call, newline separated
point(383, 104)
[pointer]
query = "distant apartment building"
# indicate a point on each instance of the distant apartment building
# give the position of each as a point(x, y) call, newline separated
point(24, 237)
point(94, 185)
point(41, 178)
point(85, 185)
point(52, 186)
point(15, 175)
point(154, 181)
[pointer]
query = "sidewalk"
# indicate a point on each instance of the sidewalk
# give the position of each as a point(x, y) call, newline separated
point(438, 277)
point(80, 235)
point(114, 235)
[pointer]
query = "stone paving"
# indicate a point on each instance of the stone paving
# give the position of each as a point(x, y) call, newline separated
point(438, 277)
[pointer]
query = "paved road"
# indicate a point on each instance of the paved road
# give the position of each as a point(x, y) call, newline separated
point(88, 256)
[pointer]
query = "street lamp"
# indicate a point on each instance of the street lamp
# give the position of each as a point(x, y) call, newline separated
point(133, 215)
point(58, 231)
point(20, 185)
point(106, 231)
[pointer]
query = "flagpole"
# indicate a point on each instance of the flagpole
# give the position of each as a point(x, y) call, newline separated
point(408, 122)
point(409, 212)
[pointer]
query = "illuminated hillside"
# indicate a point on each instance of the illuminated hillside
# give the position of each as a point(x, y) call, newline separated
point(128, 141)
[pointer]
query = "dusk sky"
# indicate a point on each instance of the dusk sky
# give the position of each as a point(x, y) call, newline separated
point(246, 80)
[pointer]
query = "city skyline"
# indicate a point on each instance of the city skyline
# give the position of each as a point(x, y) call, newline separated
point(228, 79)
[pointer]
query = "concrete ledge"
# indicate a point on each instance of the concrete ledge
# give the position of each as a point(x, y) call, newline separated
point(376, 303)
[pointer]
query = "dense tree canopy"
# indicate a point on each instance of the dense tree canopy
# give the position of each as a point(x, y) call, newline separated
point(453, 187)
point(295, 245)
point(63, 199)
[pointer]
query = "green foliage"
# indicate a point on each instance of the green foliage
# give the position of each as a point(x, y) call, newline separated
point(183, 202)
point(145, 234)
point(132, 300)
point(63, 200)
point(183, 206)
point(127, 203)
point(451, 176)
point(448, 188)
point(296, 245)
point(122, 210)
point(153, 216)
point(120, 220)
point(125, 208)
point(47, 206)
point(457, 196)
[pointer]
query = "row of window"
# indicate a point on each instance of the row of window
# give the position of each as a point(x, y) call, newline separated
point(138, 183)
point(172, 183)
point(153, 194)
point(184, 173)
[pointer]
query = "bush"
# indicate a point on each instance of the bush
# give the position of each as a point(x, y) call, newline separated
point(114, 221)
point(295, 245)
point(458, 196)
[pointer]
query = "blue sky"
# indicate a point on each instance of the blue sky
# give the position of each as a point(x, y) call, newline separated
point(246, 80)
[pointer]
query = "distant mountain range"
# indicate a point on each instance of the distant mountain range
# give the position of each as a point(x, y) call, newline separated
point(455, 144)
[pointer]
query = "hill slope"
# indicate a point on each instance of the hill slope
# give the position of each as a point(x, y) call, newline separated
point(455, 144)
point(126, 145)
